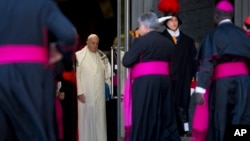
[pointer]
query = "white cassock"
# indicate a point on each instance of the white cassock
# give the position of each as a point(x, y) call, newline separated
point(93, 70)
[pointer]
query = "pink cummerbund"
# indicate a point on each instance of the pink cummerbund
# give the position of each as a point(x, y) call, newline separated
point(230, 69)
point(23, 53)
point(150, 68)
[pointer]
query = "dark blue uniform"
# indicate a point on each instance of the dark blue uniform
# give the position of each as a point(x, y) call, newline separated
point(26, 83)
point(229, 97)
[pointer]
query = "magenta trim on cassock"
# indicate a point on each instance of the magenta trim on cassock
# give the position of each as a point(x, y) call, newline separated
point(248, 34)
point(141, 69)
point(201, 114)
point(115, 80)
point(23, 53)
point(59, 118)
point(200, 120)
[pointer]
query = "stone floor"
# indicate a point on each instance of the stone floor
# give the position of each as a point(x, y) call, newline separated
point(182, 139)
point(185, 139)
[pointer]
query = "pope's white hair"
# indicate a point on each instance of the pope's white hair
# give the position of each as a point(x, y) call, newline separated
point(91, 36)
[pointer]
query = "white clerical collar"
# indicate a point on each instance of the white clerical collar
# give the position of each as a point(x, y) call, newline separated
point(225, 21)
point(174, 33)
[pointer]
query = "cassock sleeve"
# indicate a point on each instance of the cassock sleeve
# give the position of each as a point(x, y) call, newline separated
point(133, 55)
point(60, 26)
point(205, 74)
point(205, 56)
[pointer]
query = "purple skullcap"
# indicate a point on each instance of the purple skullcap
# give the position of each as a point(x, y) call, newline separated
point(225, 6)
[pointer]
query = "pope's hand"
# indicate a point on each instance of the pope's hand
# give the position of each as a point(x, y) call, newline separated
point(81, 98)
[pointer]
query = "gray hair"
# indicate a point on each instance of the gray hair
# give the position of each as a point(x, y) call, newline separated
point(150, 20)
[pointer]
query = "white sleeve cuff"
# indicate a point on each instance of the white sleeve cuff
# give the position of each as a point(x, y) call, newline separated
point(200, 90)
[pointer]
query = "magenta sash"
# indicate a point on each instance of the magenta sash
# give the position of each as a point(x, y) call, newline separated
point(141, 69)
point(23, 53)
point(230, 69)
point(201, 114)
point(200, 120)
point(148, 68)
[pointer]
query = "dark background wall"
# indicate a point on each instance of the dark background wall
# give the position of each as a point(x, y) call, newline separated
point(88, 18)
point(197, 17)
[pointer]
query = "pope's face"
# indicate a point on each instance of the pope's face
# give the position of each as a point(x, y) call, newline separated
point(93, 44)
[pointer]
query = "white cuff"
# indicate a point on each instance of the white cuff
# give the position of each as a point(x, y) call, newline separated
point(200, 90)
